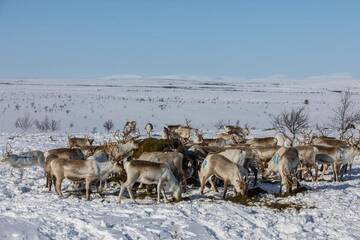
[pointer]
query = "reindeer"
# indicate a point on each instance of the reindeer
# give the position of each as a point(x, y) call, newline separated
point(230, 138)
point(329, 141)
point(79, 142)
point(352, 153)
point(22, 160)
point(77, 170)
point(244, 158)
point(330, 155)
point(67, 153)
point(230, 129)
point(185, 133)
point(307, 154)
point(149, 128)
point(130, 128)
point(174, 159)
point(285, 162)
point(116, 150)
point(146, 172)
point(339, 157)
point(217, 142)
point(263, 155)
point(221, 167)
point(266, 141)
point(88, 151)
point(63, 153)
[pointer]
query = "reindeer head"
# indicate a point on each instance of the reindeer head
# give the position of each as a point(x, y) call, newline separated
point(119, 162)
point(241, 185)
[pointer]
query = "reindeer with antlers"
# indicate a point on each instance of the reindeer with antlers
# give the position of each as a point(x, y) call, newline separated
point(22, 160)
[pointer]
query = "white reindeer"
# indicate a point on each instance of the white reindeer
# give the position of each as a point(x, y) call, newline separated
point(146, 172)
point(22, 160)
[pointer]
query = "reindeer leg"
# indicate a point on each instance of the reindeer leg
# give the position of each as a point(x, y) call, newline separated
point(325, 166)
point(335, 173)
point(316, 173)
point(225, 188)
point(164, 195)
point(121, 192)
point(100, 188)
point(58, 186)
point(213, 185)
point(350, 168)
point(310, 173)
point(202, 183)
point(255, 175)
point(130, 192)
point(87, 187)
point(281, 183)
point(47, 181)
point(289, 186)
point(50, 180)
point(159, 187)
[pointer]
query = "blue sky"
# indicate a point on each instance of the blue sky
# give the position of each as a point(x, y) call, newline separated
point(212, 38)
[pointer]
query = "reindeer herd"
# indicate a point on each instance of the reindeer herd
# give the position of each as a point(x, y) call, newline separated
point(181, 157)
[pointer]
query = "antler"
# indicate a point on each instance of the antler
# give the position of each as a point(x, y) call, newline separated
point(350, 139)
point(119, 137)
point(307, 136)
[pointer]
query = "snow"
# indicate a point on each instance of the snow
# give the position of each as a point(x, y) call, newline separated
point(87, 104)
point(28, 211)
point(328, 210)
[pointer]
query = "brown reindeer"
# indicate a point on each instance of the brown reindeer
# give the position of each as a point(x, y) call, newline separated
point(265, 141)
point(79, 142)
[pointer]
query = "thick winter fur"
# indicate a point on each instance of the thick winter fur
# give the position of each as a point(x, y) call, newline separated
point(266, 141)
point(244, 158)
point(146, 172)
point(76, 170)
point(79, 142)
point(221, 167)
point(307, 154)
point(285, 162)
point(26, 159)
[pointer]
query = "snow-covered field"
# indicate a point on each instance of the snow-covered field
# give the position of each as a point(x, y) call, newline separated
point(82, 105)
point(28, 211)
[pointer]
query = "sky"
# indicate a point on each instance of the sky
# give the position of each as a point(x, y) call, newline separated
point(160, 37)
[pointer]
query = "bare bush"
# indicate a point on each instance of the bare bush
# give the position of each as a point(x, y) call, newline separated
point(108, 125)
point(322, 130)
point(54, 125)
point(43, 125)
point(345, 117)
point(220, 124)
point(46, 125)
point(292, 123)
point(187, 122)
point(24, 123)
